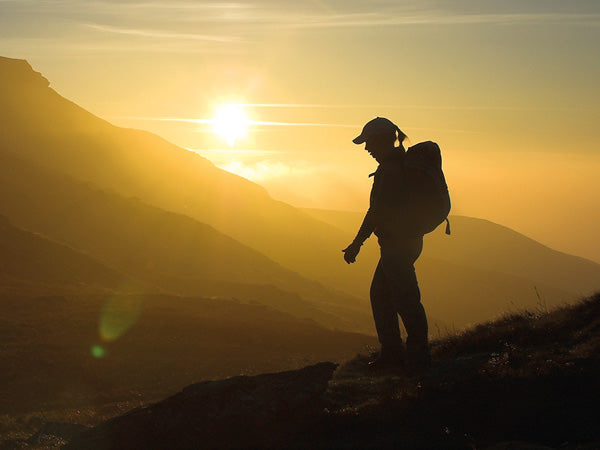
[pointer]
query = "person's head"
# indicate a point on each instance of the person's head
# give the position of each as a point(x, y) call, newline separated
point(379, 136)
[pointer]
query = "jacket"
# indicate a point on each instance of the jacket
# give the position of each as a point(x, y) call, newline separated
point(388, 204)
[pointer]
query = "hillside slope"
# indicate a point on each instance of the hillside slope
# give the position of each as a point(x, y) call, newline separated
point(474, 240)
point(31, 264)
point(525, 381)
point(481, 244)
point(169, 252)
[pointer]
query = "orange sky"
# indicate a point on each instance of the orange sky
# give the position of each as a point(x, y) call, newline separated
point(509, 90)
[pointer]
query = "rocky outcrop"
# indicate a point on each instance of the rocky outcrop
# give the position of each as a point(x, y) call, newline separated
point(240, 412)
point(19, 72)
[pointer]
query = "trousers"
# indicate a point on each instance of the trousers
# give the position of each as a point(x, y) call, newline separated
point(395, 291)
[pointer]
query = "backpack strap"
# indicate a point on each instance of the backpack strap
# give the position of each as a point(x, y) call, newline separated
point(447, 226)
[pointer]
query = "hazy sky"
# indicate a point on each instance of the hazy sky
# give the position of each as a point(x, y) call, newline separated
point(508, 89)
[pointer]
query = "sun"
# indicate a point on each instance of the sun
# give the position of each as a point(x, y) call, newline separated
point(230, 122)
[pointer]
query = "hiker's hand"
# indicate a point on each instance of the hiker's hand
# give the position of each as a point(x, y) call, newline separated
point(350, 252)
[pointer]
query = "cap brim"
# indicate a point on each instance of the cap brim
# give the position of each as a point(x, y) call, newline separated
point(359, 139)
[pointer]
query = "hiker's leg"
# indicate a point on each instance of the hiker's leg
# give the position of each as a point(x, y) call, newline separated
point(399, 270)
point(384, 311)
point(413, 316)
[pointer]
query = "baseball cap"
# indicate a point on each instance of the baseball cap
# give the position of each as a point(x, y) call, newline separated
point(377, 126)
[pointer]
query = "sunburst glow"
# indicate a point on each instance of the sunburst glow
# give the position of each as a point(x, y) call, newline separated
point(230, 122)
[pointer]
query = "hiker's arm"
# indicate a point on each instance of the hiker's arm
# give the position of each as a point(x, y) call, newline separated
point(370, 221)
point(372, 216)
point(367, 227)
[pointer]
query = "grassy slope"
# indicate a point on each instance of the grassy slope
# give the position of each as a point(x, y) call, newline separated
point(529, 376)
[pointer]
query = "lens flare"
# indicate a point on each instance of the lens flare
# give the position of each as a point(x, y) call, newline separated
point(98, 351)
point(119, 314)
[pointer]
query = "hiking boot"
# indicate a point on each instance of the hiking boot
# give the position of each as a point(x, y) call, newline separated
point(388, 360)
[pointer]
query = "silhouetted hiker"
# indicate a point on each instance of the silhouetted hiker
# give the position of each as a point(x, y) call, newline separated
point(396, 221)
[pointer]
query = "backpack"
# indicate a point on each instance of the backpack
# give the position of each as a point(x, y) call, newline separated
point(429, 200)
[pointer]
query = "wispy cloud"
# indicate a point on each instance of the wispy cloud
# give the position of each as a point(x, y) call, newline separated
point(168, 119)
point(392, 18)
point(189, 5)
point(285, 124)
point(420, 107)
point(160, 25)
point(163, 34)
point(234, 151)
point(301, 124)
point(250, 122)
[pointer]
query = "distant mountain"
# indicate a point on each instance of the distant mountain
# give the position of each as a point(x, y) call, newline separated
point(34, 265)
point(485, 245)
point(170, 252)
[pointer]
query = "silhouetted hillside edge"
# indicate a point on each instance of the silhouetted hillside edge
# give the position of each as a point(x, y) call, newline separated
point(528, 380)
